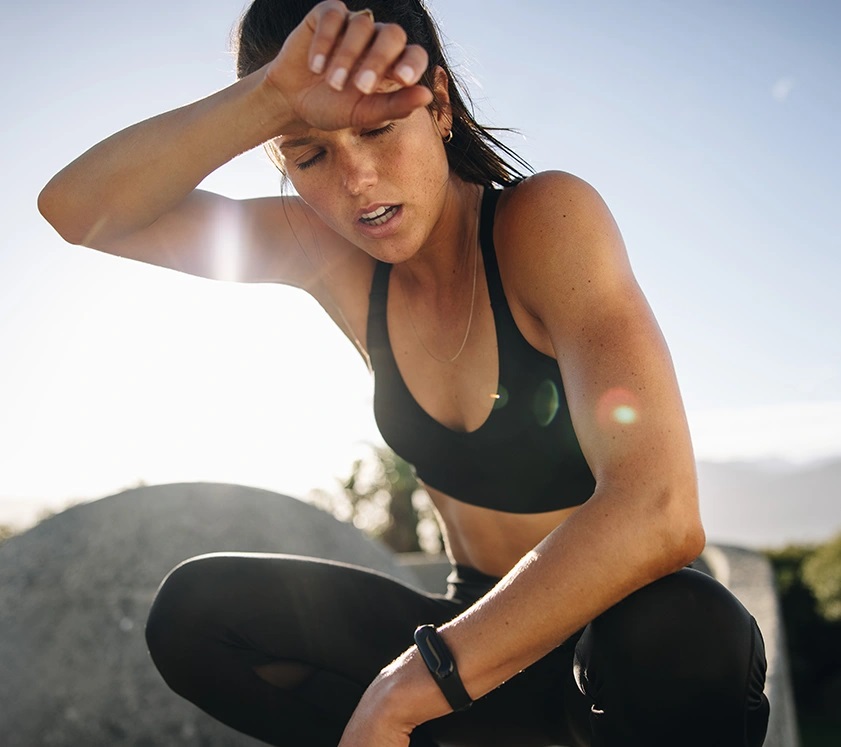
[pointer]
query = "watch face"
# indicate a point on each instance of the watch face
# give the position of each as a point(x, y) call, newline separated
point(435, 654)
point(443, 662)
point(442, 666)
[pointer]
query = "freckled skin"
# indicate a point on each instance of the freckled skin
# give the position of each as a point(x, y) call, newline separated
point(407, 166)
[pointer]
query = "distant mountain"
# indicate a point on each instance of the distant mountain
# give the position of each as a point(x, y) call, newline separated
point(770, 504)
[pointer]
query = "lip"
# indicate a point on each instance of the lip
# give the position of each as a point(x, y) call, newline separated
point(387, 228)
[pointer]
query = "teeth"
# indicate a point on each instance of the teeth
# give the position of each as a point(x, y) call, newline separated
point(376, 214)
point(379, 216)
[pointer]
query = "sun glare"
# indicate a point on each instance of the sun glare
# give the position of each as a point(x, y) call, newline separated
point(227, 239)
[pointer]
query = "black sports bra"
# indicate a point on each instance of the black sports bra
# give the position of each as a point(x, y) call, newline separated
point(525, 458)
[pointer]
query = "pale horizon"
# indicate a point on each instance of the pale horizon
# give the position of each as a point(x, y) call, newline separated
point(760, 436)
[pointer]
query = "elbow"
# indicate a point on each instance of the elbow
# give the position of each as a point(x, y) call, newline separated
point(53, 206)
point(49, 205)
point(689, 543)
point(680, 534)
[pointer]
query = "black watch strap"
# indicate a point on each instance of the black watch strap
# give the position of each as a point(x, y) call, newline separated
point(442, 666)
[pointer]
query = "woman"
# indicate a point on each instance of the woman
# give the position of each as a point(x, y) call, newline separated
point(518, 368)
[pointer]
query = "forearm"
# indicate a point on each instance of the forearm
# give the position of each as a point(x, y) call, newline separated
point(127, 181)
point(612, 546)
point(606, 550)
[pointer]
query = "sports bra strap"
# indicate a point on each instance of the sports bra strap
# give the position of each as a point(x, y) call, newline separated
point(486, 233)
point(378, 295)
point(377, 329)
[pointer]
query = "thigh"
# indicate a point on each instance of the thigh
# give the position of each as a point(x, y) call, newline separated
point(219, 619)
point(329, 615)
point(323, 630)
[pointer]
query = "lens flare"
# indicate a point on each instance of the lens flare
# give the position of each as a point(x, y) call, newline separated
point(500, 398)
point(618, 406)
point(625, 414)
point(546, 402)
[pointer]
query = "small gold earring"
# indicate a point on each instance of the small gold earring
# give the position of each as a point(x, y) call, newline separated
point(448, 138)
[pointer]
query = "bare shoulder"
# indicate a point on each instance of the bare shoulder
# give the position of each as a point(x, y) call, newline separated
point(557, 239)
point(555, 213)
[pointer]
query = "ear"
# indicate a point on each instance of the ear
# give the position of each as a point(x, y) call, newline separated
point(442, 111)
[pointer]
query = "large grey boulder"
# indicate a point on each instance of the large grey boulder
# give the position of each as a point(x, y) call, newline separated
point(75, 590)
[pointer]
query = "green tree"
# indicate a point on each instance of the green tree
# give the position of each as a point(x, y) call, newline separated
point(814, 638)
point(822, 573)
point(382, 496)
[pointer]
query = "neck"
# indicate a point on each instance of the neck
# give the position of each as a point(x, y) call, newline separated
point(441, 265)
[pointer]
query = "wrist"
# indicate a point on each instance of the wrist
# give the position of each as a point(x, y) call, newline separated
point(272, 106)
point(407, 693)
point(442, 667)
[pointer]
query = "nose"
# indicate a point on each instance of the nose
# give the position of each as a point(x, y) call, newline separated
point(358, 171)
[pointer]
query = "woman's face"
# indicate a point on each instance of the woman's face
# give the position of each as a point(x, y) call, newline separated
point(382, 188)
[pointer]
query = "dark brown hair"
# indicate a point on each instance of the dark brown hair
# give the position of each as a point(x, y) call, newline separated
point(474, 154)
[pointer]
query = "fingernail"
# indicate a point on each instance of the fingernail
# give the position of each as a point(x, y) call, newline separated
point(318, 63)
point(338, 78)
point(406, 74)
point(366, 80)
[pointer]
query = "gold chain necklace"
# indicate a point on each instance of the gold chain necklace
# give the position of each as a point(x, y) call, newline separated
point(469, 317)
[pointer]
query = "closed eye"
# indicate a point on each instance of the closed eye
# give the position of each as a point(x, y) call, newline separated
point(380, 130)
point(310, 161)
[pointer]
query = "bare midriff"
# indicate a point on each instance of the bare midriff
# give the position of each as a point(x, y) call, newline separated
point(492, 541)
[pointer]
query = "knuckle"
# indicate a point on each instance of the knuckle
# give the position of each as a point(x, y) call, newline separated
point(356, 40)
point(417, 53)
point(332, 11)
point(394, 33)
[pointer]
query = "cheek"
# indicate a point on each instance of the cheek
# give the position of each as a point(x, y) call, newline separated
point(318, 197)
point(420, 159)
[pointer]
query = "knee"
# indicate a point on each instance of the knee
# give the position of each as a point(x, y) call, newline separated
point(180, 616)
point(682, 642)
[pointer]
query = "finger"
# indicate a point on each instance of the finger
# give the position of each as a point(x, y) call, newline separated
point(358, 34)
point(388, 45)
point(410, 66)
point(327, 22)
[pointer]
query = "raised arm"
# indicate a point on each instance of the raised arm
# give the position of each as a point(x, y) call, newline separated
point(135, 195)
point(565, 262)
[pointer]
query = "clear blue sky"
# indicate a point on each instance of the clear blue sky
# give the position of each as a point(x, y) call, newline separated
point(711, 128)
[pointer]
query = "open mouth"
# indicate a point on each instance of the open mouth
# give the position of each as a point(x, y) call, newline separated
point(379, 216)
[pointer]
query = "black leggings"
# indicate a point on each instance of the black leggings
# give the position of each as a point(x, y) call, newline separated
point(679, 662)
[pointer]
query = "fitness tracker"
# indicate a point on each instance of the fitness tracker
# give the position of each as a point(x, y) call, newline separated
point(442, 666)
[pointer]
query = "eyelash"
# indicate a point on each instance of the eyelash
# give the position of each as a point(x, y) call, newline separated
point(379, 132)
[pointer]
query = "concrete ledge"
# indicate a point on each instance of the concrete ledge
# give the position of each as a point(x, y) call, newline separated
point(750, 577)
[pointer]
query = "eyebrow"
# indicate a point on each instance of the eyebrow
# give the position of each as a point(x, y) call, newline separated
point(295, 142)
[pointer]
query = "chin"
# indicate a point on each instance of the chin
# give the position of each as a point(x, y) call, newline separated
point(390, 255)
